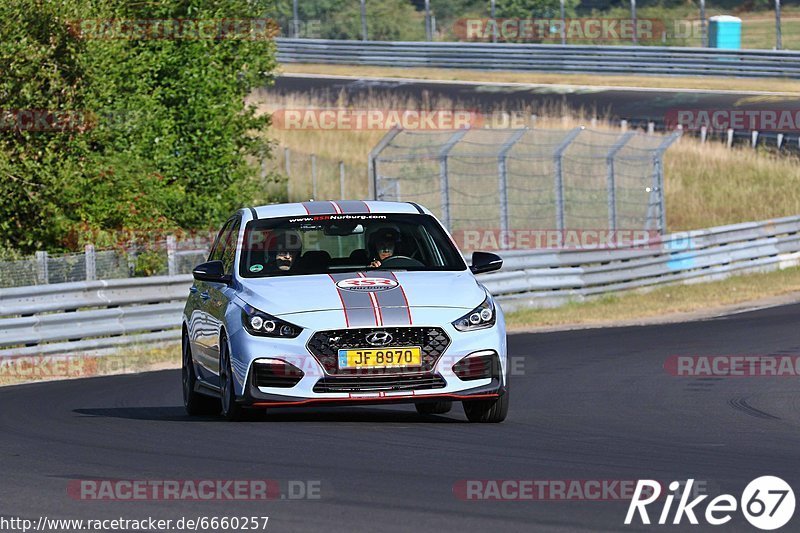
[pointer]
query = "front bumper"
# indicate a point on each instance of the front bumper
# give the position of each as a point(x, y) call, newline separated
point(255, 397)
point(437, 382)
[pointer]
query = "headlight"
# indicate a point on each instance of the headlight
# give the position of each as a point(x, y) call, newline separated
point(481, 317)
point(260, 323)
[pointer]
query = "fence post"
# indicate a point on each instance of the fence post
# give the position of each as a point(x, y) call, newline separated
point(42, 274)
point(428, 29)
point(295, 33)
point(611, 179)
point(703, 25)
point(559, 177)
point(313, 177)
point(754, 138)
point(91, 262)
point(730, 137)
point(502, 174)
point(363, 20)
point(262, 154)
point(133, 255)
point(172, 265)
point(444, 178)
point(286, 161)
point(657, 189)
point(372, 162)
point(341, 180)
point(491, 15)
point(778, 39)
point(633, 18)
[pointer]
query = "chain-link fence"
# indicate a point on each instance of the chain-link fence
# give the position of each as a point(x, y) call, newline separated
point(524, 179)
point(314, 176)
point(168, 257)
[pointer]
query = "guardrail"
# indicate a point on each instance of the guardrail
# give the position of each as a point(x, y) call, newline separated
point(72, 317)
point(634, 60)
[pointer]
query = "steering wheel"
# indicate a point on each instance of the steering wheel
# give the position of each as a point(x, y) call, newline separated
point(407, 261)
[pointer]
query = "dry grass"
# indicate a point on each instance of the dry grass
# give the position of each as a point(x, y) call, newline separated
point(127, 360)
point(656, 82)
point(711, 185)
point(639, 305)
point(706, 184)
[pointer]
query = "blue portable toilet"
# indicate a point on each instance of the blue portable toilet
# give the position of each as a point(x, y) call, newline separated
point(725, 31)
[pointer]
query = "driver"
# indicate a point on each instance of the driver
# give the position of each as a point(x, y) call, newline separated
point(286, 247)
point(384, 244)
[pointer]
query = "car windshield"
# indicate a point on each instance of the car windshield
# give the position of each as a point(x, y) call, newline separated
point(326, 244)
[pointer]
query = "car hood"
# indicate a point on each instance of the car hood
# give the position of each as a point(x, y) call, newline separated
point(320, 292)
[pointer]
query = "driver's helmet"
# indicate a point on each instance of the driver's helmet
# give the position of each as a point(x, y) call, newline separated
point(384, 237)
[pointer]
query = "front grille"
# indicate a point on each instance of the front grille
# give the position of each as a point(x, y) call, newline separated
point(325, 345)
point(278, 374)
point(379, 383)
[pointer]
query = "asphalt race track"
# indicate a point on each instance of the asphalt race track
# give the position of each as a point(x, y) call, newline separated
point(638, 106)
point(587, 404)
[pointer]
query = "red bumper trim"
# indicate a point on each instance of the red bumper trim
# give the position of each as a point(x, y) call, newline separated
point(379, 399)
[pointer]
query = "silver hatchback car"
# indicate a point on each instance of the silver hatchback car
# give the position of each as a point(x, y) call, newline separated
point(342, 303)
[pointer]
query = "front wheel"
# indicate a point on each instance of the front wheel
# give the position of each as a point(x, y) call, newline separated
point(487, 411)
point(230, 409)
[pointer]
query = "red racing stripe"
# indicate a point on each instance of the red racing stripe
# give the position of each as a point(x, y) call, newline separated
point(346, 320)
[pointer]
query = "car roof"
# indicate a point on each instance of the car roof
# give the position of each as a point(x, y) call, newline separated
point(336, 207)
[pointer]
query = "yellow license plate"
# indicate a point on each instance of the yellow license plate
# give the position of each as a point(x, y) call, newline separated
point(380, 357)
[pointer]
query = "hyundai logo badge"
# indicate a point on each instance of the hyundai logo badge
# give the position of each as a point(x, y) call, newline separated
point(379, 338)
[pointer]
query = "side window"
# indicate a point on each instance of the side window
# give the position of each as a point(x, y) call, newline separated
point(219, 242)
point(231, 244)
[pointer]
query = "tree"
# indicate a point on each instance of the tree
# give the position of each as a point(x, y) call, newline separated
point(162, 137)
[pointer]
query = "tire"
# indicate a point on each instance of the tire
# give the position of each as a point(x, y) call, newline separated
point(487, 411)
point(196, 404)
point(434, 408)
point(231, 410)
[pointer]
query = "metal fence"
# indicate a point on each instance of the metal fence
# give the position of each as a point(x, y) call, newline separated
point(168, 257)
point(88, 315)
point(628, 60)
point(512, 179)
point(684, 24)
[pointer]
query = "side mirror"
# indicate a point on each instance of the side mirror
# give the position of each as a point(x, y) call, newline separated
point(485, 262)
point(213, 271)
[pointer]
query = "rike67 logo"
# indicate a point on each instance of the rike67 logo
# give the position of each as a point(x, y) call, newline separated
point(767, 503)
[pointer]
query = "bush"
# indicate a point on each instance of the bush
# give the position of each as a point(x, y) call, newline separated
point(163, 137)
